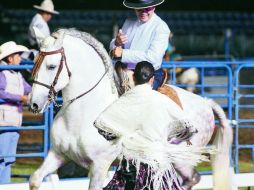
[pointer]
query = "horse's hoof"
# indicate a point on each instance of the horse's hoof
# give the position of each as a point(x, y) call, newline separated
point(34, 182)
point(31, 187)
point(196, 178)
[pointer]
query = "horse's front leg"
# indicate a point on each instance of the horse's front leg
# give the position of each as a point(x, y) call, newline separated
point(99, 168)
point(189, 176)
point(51, 163)
point(98, 173)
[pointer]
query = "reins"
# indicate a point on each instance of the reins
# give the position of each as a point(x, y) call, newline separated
point(96, 84)
point(52, 92)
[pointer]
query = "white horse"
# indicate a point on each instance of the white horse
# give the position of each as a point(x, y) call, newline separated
point(77, 64)
point(73, 135)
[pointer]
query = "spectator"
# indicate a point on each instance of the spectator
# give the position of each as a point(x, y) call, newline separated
point(13, 91)
point(144, 38)
point(170, 54)
point(130, 121)
point(40, 20)
point(187, 76)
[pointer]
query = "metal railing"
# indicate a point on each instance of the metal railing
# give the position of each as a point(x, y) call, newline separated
point(42, 126)
point(225, 89)
point(232, 92)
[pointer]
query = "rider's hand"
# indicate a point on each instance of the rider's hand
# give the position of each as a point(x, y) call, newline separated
point(189, 142)
point(24, 99)
point(117, 52)
point(121, 38)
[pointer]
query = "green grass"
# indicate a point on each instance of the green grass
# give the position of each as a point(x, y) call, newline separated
point(23, 169)
point(244, 166)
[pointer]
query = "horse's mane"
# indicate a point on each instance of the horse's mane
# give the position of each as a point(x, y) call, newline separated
point(96, 45)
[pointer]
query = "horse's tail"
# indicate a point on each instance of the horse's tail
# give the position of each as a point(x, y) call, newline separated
point(222, 173)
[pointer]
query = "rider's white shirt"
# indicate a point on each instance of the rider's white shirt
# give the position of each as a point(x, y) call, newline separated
point(41, 24)
point(146, 41)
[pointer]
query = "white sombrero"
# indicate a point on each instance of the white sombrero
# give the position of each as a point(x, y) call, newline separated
point(9, 48)
point(47, 6)
point(141, 4)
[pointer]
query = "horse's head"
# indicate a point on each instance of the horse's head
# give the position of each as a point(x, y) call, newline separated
point(51, 73)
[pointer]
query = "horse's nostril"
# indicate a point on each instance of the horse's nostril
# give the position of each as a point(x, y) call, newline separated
point(35, 106)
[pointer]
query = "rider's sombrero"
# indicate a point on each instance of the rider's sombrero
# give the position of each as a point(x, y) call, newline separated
point(9, 48)
point(47, 6)
point(141, 4)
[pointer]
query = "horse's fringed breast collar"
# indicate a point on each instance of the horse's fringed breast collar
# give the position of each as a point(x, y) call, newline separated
point(52, 92)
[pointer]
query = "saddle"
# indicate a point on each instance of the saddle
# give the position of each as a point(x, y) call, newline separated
point(171, 93)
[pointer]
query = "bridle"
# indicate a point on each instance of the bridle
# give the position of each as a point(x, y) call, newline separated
point(52, 92)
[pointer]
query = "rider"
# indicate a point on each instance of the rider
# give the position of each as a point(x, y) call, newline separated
point(144, 38)
point(13, 90)
point(144, 136)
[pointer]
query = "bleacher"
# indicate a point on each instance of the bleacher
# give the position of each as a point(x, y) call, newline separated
point(195, 32)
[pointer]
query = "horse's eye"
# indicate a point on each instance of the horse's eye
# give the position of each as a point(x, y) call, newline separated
point(51, 67)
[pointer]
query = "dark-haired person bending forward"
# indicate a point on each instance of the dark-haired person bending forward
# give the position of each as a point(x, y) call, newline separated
point(142, 120)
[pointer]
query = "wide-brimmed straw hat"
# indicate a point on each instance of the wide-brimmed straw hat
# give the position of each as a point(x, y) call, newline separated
point(9, 48)
point(141, 4)
point(47, 6)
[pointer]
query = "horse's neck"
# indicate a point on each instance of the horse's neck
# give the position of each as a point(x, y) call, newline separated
point(90, 92)
point(87, 68)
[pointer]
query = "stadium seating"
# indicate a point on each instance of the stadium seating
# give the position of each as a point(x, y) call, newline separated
point(197, 30)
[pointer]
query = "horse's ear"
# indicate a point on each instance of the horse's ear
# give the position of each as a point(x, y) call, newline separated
point(39, 35)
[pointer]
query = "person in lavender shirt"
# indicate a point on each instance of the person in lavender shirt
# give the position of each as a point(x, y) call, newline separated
point(13, 94)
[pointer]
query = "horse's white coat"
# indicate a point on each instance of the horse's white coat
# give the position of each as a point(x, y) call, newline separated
point(73, 134)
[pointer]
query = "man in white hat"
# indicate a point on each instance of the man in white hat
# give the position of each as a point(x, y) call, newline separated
point(13, 91)
point(40, 20)
point(144, 38)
